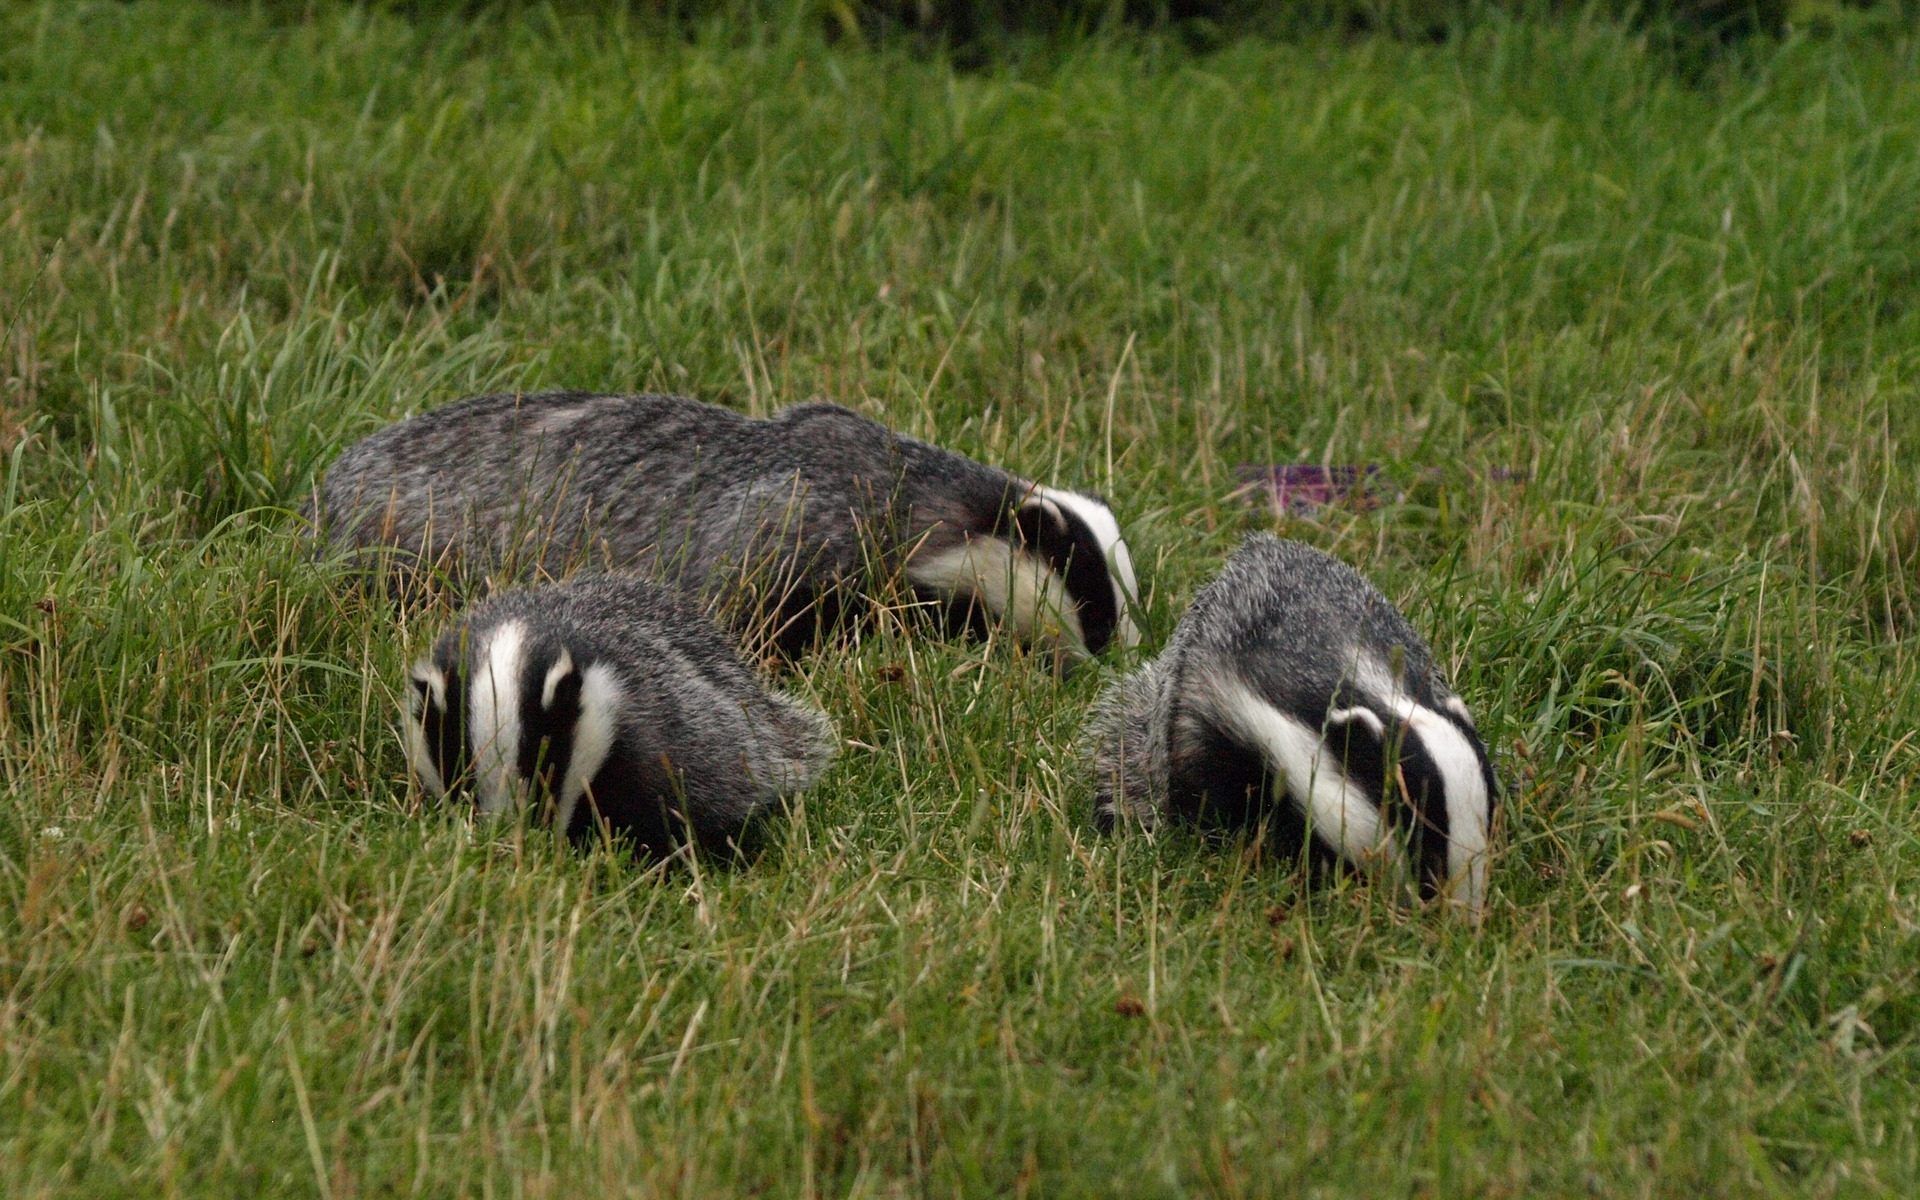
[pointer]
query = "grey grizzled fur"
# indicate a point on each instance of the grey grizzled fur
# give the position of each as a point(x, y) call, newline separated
point(781, 520)
point(1287, 622)
point(700, 743)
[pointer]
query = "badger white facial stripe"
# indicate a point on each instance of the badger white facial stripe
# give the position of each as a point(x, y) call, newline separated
point(1339, 812)
point(1011, 583)
point(495, 726)
point(1468, 805)
point(593, 736)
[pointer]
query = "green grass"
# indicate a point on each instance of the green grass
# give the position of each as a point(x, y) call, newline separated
point(238, 958)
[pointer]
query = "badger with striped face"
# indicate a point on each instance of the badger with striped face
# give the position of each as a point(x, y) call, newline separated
point(1051, 563)
point(607, 703)
point(780, 522)
point(1294, 693)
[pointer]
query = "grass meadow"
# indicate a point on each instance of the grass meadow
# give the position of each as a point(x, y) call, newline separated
point(1640, 346)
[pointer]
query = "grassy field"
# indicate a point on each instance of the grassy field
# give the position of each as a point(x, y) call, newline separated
point(238, 956)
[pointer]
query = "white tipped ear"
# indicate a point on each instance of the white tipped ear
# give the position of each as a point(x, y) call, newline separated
point(561, 668)
point(1359, 715)
point(1039, 502)
point(425, 674)
point(1458, 708)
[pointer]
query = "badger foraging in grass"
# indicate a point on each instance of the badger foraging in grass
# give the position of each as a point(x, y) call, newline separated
point(607, 700)
point(779, 521)
point(1294, 693)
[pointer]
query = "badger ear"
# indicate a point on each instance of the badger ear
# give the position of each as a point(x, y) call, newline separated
point(1360, 714)
point(429, 687)
point(1038, 523)
point(1359, 739)
point(1458, 708)
point(561, 688)
point(429, 732)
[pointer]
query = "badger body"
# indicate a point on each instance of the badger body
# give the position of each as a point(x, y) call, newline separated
point(607, 700)
point(779, 521)
point(1294, 693)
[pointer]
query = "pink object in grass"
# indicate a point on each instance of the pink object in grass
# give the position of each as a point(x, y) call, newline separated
point(1295, 489)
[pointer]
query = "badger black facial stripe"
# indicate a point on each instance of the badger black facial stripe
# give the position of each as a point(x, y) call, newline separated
point(1358, 739)
point(443, 726)
point(550, 702)
point(1423, 790)
point(1072, 551)
point(1093, 515)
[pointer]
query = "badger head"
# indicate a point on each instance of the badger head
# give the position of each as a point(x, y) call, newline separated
point(509, 718)
point(1393, 787)
point(1052, 565)
point(1432, 775)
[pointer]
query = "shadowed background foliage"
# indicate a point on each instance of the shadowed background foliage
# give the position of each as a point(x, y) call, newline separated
point(975, 31)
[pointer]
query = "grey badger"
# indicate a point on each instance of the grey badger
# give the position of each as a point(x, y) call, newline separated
point(607, 700)
point(1293, 692)
point(782, 519)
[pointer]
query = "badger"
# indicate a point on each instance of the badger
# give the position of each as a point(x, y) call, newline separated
point(607, 701)
point(780, 521)
point(1293, 693)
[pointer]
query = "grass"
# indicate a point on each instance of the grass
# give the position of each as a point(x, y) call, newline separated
point(237, 957)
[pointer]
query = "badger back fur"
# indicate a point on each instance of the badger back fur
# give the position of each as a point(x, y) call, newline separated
point(782, 519)
point(607, 699)
point(1293, 692)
